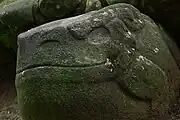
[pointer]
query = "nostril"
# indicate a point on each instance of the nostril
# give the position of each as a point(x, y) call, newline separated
point(49, 42)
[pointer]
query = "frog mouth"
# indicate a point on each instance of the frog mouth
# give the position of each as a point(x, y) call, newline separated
point(80, 66)
point(95, 73)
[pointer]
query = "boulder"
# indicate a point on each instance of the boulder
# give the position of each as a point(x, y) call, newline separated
point(108, 64)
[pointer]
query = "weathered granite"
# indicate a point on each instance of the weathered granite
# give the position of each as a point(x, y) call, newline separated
point(107, 64)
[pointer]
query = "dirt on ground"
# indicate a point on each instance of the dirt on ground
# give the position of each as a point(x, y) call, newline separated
point(8, 103)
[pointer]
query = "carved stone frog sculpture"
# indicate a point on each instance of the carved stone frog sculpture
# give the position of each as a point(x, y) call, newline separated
point(109, 64)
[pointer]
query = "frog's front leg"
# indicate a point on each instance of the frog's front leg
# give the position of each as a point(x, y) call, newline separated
point(143, 80)
point(137, 76)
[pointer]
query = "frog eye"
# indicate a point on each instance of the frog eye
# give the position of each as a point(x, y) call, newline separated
point(80, 30)
point(132, 18)
point(99, 36)
point(120, 33)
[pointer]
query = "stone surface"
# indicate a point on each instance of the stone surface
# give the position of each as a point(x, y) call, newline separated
point(93, 5)
point(107, 64)
point(25, 14)
point(17, 14)
point(58, 8)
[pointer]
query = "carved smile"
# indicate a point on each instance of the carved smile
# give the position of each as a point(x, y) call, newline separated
point(62, 66)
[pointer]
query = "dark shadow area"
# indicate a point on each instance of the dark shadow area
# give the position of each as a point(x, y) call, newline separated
point(165, 12)
point(8, 102)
